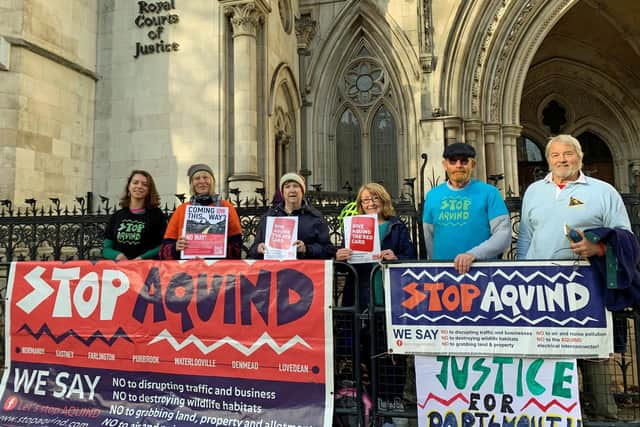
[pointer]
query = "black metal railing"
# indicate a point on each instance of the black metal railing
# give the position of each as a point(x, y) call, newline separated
point(52, 232)
point(36, 232)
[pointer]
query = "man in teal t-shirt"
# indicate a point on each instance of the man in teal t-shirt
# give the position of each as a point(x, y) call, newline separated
point(464, 219)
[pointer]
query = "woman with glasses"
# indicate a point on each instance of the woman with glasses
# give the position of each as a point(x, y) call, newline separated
point(395, 242)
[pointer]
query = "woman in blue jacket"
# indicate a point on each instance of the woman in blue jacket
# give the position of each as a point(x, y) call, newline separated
point(395, 242)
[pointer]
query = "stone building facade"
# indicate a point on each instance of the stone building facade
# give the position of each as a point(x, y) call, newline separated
point(344, 91)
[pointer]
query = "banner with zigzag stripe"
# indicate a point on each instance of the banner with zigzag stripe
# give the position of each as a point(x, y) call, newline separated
point(169, 343)
point(525, 309)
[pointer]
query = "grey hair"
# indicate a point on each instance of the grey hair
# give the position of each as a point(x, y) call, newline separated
point(566, 140)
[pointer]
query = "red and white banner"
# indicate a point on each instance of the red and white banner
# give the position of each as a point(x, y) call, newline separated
point(169, 343)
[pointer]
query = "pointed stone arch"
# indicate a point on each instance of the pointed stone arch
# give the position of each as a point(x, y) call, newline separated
point(362, 25)
point(621, 165)
point(486, 61)
point(282, 151)
point(284, 78)
point(601, 93)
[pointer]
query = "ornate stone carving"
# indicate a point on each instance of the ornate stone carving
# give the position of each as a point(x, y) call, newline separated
point(282, 122)
point(505, 54)
point(244, 18)
point(482, 58)
point(364, 81)
point(427, 59)
point(306, 29)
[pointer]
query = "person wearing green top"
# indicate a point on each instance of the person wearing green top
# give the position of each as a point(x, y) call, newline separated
point(136, 230)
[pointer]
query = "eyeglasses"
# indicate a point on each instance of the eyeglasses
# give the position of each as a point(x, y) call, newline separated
point(463, 161)
point(369, 200)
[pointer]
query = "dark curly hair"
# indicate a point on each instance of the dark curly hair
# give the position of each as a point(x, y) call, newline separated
point(153, 198)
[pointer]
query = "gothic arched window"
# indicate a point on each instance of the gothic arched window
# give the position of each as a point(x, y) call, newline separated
point(349, 150)
point(384, 165)
point(367, 131)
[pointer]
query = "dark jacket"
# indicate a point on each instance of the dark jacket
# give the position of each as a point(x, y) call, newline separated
point(397, 239)
point(620, 275)
point(312, 230)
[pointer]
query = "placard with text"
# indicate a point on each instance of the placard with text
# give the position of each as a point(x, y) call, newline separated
point(205, 228)
point(497, 391)
point(361, 235)
point(281, 234)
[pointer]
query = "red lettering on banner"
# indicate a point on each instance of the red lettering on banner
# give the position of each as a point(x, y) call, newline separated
point(171, 312)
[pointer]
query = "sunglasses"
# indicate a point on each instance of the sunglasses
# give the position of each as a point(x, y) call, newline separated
point(463, 161)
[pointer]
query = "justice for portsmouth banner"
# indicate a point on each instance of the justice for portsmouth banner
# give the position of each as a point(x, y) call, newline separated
point(497, 391)
point(526, 309)
point(168, 344)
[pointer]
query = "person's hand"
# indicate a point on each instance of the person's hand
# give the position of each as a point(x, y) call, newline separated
point(584, 248)
point(262, 248)
point(343, 254)
point(462, 262)
point(121, 257)
point(387, 255)
point(181, 244)
point(300, 246)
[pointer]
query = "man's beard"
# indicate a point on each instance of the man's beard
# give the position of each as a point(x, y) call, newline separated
point(459, 177)
point(565, 173)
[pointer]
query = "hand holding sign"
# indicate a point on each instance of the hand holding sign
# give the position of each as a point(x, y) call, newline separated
point(281, 237)
point(362, 237)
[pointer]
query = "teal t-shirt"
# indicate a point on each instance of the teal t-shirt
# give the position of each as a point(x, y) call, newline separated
point(461, 218)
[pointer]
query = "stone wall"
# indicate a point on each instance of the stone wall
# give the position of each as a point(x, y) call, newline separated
point(158, 111)
point(47, 98)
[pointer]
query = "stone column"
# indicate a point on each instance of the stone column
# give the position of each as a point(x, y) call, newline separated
point(493, 150)
point(473, 137)
point(306, 29)
point(452, 130)
point(635, 176)
point(510, 136)
point(245, 16)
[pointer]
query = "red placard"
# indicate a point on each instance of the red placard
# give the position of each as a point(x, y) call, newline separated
point(362, 233)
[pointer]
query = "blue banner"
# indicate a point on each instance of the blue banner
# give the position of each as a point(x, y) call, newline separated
point(534, 309)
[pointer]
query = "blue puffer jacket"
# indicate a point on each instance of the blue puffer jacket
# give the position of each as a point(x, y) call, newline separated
point(396, 238)
point(312, 230)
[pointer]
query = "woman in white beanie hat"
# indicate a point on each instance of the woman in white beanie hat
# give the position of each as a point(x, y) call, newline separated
point(313, 233)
